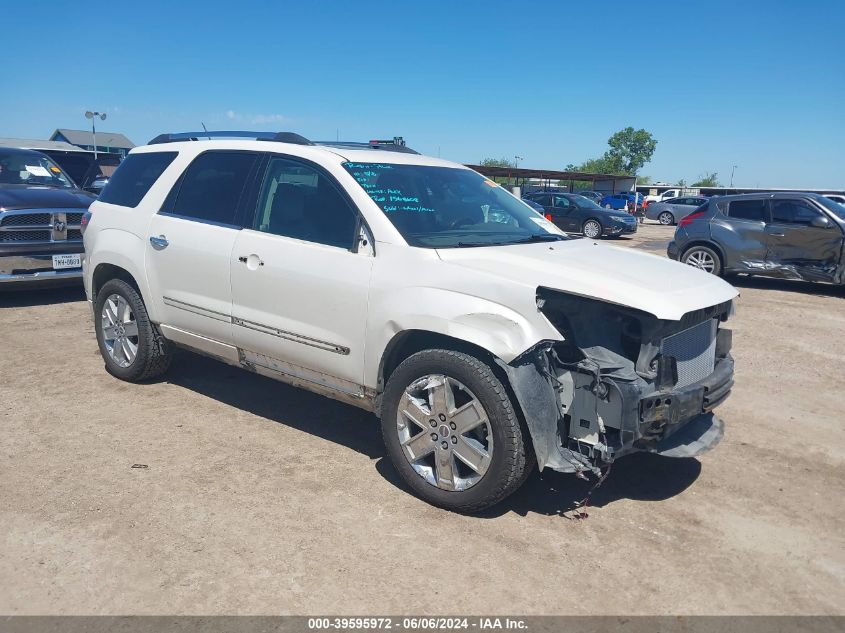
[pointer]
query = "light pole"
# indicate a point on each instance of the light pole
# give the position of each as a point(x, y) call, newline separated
point(732, 174)
point(93, 116)
point(516, 160)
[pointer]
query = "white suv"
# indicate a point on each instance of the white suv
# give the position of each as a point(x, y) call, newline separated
point(482, 336)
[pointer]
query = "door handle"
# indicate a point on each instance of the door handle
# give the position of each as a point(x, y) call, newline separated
point(776, 234)
point(159, 242)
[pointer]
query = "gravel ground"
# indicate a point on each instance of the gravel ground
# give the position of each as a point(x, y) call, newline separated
point(259, 498)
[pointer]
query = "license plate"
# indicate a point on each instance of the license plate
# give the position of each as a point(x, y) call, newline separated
point(67, 261)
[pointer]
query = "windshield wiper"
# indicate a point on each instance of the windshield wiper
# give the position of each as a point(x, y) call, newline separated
point(541, 237)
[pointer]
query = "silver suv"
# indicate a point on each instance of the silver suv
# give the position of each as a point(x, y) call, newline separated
point(786, 235)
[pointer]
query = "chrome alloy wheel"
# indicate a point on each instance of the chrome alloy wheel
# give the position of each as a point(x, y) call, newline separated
point(702, 260)
point(592, 229)
point(666, 218)
point(444, 432)
point(120, 331)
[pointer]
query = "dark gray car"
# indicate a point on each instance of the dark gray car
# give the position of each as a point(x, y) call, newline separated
point(577, 214)
point(786, 235)
point(672, 210)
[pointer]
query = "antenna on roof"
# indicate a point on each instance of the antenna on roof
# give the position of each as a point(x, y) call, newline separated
point(205, 129)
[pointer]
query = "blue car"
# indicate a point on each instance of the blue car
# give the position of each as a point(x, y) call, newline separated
point(620, 201)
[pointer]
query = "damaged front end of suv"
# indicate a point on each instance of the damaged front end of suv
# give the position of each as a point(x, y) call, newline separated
point(622, 381)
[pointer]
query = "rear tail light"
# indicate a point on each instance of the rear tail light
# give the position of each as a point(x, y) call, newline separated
point(692, 217)
point(549, 217)
point(83, 223)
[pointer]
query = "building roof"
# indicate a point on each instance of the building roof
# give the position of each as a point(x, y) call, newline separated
point(34, 143)
point(104, 139)
point(545, 174)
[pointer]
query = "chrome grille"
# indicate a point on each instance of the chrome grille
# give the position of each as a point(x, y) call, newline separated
point(25, 236)
point(40, 225)
point(695, 351)
point(26, 219)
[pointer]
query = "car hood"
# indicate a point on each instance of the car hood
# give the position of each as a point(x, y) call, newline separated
point(619, 275)
point(41, 197)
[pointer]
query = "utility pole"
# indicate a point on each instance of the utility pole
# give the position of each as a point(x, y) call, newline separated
point(732, 175)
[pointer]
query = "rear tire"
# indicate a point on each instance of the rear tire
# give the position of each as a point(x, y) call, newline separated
point(703, 258)
point(666, 219)
point(462, 448)
point(128, 341)
point(608, 206)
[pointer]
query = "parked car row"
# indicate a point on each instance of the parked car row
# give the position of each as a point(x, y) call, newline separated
point(576, 214)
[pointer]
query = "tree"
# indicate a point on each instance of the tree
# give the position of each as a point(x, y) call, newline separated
point(708, 180)
point(682, 183)
point(495, 162)
point(631, 149)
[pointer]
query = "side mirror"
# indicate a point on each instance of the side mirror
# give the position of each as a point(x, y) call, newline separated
point(820, 222)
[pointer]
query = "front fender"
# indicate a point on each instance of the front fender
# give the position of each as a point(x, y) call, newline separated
point(500, 330)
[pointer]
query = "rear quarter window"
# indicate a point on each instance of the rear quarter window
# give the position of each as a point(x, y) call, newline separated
point(747, 210)
point(134, 177)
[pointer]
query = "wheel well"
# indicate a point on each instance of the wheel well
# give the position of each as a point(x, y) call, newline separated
point(410, 342)
point(105, 272)
point(710, 245)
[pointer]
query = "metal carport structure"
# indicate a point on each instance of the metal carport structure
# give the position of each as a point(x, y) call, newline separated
point(610, 183)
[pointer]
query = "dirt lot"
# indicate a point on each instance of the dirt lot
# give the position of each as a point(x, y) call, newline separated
point(260, 498)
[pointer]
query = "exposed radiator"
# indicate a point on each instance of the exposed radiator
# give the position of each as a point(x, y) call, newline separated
point(695, 351)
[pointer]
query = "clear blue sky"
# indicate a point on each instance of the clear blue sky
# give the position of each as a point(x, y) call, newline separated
point(760, 85)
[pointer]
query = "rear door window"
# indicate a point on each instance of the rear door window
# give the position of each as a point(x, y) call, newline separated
point(561, 202)
point(134, 177)
point(747, 210)
point(210, 190)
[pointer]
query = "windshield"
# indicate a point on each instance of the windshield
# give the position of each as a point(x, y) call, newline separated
point(584, 203)
point(445, 207)
point(24, 168)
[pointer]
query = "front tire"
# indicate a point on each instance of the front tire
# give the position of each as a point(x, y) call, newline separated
point(128, 341)
point(608, 206)
point(703, 258)
point(666, 218)
point(451, 431)
point(592, 229)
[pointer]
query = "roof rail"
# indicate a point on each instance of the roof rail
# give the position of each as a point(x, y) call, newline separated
point(281, 137)
point(395, 145)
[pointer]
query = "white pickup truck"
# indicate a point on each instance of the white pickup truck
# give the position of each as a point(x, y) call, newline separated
point(671, 193)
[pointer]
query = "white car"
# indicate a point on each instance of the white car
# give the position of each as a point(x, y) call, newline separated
point(483, 337)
